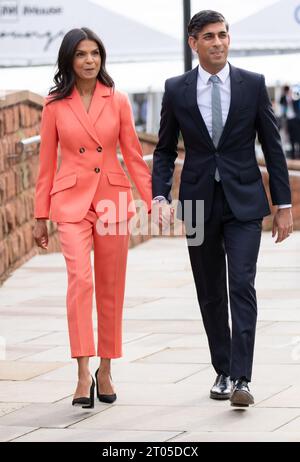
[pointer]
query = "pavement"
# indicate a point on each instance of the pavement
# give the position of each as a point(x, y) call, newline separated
point(163, 379)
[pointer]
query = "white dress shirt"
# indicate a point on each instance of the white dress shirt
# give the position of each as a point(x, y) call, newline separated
point(290, 113)
point(204, 89)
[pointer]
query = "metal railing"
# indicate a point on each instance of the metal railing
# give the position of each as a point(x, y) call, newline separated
point(22, 146)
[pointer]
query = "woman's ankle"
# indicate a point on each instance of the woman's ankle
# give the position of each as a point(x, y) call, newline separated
point(84, 376)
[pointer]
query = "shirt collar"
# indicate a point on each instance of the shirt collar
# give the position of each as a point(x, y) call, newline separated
point(223, 74)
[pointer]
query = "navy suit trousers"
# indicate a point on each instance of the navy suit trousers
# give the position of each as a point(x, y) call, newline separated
point(225, 237)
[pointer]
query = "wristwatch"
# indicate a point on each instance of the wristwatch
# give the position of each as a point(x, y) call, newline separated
point(159, 199)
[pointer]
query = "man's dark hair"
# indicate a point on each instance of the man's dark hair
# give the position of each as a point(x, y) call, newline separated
point(202, 19)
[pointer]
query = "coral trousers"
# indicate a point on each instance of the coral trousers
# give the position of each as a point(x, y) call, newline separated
point(110, 258)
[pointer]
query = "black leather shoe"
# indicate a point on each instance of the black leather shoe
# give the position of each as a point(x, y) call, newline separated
point(221, 388)
point(104, 398)
point(86, 403)
point(241, 396)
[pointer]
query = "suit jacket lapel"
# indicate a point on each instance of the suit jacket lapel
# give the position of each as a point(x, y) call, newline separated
point(99, 100)
point(89, 119)
point(236, 93)
point(191, 100)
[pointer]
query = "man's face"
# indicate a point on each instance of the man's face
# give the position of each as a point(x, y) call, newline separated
point(212, 46)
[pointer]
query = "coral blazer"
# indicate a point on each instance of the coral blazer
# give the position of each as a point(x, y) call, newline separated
point(89, 170)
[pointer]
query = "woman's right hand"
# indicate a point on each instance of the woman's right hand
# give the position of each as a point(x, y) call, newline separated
point(40, 233)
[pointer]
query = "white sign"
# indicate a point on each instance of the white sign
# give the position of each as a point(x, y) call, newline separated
point(31, 32)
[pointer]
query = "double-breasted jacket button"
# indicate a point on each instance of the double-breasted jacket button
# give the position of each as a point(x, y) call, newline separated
point(97, 169)
point(99, 149)
point(81, 150)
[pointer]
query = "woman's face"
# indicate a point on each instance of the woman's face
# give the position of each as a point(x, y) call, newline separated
point(87, 60)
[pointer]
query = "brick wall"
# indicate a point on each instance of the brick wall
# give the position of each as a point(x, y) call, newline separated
point(294, 173)
point(20, 115)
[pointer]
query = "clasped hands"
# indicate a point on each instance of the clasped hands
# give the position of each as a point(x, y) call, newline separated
point(162, 213)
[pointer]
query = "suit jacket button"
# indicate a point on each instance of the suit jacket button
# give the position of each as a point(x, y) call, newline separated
point(81, 150)
point(99, 149)
point(97, 169)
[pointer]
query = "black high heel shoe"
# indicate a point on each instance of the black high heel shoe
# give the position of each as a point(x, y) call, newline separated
point(86, 403)
point(104, 398)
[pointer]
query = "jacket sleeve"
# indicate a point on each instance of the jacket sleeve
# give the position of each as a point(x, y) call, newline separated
point(132, 152)
point(269, 137)
point(165, 152)
point(47, 162)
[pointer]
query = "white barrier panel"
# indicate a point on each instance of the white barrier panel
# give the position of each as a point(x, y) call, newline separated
point(31, 32)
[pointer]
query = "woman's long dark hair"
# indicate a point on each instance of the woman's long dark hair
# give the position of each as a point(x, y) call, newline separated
point(65, 77)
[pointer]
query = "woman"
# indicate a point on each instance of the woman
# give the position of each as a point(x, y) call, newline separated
point(88, 118)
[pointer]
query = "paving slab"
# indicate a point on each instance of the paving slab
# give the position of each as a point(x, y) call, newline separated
point(163, 379)
point(78, 436)
point(12, 370)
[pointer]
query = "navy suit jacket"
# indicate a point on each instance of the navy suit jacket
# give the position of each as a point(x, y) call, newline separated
point(250, 114)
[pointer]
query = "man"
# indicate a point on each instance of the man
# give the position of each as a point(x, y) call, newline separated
point(291, 112)
point(219, 109)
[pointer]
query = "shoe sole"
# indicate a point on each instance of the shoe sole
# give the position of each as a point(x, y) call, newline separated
point(84, 406)
point(107, 400)
point(241, 399)
point(218, 396)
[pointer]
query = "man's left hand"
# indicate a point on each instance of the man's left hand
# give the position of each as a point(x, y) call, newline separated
point(282, 224)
